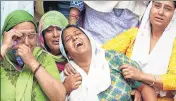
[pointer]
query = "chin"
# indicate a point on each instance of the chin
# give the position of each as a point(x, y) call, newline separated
point(158, 25)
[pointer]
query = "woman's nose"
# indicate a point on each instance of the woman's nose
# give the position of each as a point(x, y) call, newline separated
point(56, 33)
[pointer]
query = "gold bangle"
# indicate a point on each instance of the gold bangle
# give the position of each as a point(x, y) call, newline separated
point(35, 71)
point(154, 80)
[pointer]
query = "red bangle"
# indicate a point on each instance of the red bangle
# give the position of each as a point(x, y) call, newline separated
point(37, 69)
point(1, 58)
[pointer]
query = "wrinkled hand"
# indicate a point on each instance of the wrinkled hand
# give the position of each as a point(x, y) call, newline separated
point(69, 70)
point(137, 95)
point(26, 54)
point(10, 36)
point(130, 72)
point(72, 82)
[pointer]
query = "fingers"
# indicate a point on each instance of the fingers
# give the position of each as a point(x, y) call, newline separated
point(137, 95)
point(77, 84)
point(133, 92)
point(72, 69)
point(78, 77)
point(69, 70)
point(17, 33)
point(124, 66)
point(14, 34)
point(66, 72)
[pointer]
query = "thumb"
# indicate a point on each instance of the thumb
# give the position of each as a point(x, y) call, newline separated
point(133, 92)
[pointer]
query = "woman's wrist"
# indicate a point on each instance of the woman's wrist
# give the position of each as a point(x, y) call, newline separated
point(33, 65)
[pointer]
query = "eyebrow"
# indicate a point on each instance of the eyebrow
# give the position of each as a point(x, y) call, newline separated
point(168, 6)
point(165, 5)
point(72, 32)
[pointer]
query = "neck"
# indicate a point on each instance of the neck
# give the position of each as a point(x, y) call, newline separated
point(55, 53)
point(157, 32)
point(84, 61)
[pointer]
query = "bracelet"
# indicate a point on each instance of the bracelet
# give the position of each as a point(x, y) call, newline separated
point(154, 80)
point(37, 69)
point(1, 58)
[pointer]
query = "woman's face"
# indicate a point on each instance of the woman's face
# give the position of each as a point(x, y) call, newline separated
point(29, 34)
point(161, 13)
point(52, 35)
point(76, 42)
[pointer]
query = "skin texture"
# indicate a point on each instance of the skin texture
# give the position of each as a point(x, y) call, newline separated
point(160, 16)
point(25, 34)
point(79, 47)
point(51, 36)
point(161, 13)
point(71, 37)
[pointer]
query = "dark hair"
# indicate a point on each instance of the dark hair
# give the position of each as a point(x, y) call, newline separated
point(46, 46)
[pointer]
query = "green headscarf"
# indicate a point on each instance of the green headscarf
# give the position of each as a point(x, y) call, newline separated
point(51, 18)
point(17, 17)
point(25, 78)
point(14, 18)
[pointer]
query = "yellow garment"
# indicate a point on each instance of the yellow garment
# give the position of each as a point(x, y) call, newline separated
point(124, 42)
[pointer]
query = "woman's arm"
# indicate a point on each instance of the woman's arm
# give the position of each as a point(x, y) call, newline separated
point(129, 71)
point(165, 82)
point(46, 74)
point(53, 88)
point(147, 92)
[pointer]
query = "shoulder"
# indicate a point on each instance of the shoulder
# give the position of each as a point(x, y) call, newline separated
point(42, 55)
point(130, 32)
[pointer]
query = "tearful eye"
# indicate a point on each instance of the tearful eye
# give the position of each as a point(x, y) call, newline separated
point(67, 39)
point(31, 36)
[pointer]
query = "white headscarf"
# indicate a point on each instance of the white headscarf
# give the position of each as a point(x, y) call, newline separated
point(158, 60)
point(98, 78)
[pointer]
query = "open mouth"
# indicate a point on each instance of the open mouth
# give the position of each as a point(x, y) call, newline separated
point(55, 42)
point(159, 19)
point(78, 44)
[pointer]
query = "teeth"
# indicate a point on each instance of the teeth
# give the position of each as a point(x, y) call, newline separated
point(55, 42)
point(78, 44)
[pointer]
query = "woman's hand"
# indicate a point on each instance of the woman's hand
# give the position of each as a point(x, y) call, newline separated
point(8, 41)
point(72, 82)
point(137, 95)
point(69, 70)
point(27, 55)
point(130, 72)
point(10, 36)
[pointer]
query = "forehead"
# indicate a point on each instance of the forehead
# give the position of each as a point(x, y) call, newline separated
point(25, 26)
point(52, 27)
point(169, 3)
point(71, 30)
